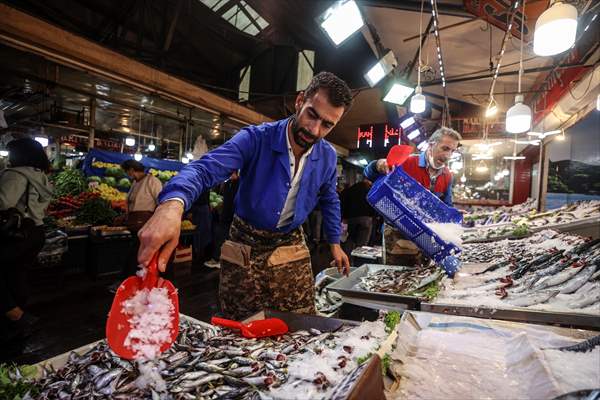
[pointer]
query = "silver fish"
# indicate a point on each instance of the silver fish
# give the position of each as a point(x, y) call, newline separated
point(578, 281)
point(532, 299)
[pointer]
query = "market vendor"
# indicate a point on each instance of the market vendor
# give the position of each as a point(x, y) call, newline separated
point(430, 169)
point(142, 200)
point(285, 170)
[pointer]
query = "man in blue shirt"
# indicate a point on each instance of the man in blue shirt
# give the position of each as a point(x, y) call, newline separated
point(286, 169)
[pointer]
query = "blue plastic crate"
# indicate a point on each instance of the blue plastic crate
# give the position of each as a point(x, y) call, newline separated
point(407, 205)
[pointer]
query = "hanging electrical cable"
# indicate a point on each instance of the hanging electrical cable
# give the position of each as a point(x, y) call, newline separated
point(418, 101)
point(518, 117)
point(446, 119)
point(492, 107)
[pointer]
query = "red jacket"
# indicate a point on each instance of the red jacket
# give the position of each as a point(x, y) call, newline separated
point(416, 167)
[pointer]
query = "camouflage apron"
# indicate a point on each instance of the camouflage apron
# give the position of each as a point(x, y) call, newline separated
point(399, 251)
point(265, 270)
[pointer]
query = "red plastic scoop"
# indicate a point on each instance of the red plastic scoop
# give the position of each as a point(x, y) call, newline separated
point(398, 154)
point(254, 329)
point(118, 325)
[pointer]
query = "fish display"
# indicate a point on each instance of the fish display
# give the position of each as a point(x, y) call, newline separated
point(566, 213)
point(500, 224)
point(327, 302)
point(548, 271)
point(207, 363)
point(418, 282)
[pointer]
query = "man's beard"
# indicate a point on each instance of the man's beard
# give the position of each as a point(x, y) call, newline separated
point(297, 129)
point(432, 162)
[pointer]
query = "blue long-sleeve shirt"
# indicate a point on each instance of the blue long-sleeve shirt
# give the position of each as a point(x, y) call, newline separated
point(261, 154)
point(372, 174)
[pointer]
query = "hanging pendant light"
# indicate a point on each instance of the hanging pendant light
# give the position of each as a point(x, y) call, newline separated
point(555, 29)
point(518, 117)
point(418, 101)
point(151, 146)
point(137, 156)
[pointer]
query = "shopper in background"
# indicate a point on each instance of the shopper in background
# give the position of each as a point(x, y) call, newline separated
point(358, 214)
point(142, 199)
point(430, 169)
point(25, 193)
point(286, 169)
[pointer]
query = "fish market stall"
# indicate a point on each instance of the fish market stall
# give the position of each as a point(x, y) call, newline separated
point(387, 284)
point(449, 357)
point(550, 277)
point(581, 218)
point(319, 357)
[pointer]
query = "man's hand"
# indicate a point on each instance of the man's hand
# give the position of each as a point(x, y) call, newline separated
point(160, 233)
point(382, 166)
point(340, 259)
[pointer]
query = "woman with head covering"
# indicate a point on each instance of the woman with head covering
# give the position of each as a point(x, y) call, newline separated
point(25, 193)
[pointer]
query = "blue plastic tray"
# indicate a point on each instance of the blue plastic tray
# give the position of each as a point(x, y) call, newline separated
point(407, 205)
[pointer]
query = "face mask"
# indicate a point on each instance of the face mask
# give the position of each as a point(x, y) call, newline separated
point(431, 162)
point(297, 129)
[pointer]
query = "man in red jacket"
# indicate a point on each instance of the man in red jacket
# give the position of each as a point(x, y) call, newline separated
point(430, 169)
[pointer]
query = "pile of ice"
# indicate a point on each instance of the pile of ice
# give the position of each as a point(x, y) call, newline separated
point(448, 232)
point(314, 373)
point(150, 318)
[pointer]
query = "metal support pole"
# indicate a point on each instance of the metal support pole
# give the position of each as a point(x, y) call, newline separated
point(92, 135)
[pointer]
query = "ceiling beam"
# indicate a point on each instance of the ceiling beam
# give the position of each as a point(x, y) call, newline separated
point(171, 31)
point(506, 73)
point(28, 33)
point(455, 10)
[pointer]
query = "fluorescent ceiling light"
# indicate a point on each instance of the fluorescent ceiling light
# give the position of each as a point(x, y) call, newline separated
point(554, 132)
point(407, 122)
point(42, 140)
point(414, 134)
point(555, 30)
point(398, 93)
point(531, 133)
point(341, 20)
point(383, 67)
point(514, 157)
point(423, 146)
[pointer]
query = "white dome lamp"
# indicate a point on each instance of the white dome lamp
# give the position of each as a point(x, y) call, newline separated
point(555, 29)
point(518, 117)
point(418, 101)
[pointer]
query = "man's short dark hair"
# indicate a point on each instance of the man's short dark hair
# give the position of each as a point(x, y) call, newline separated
point(132, 164)
point(337, 90)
